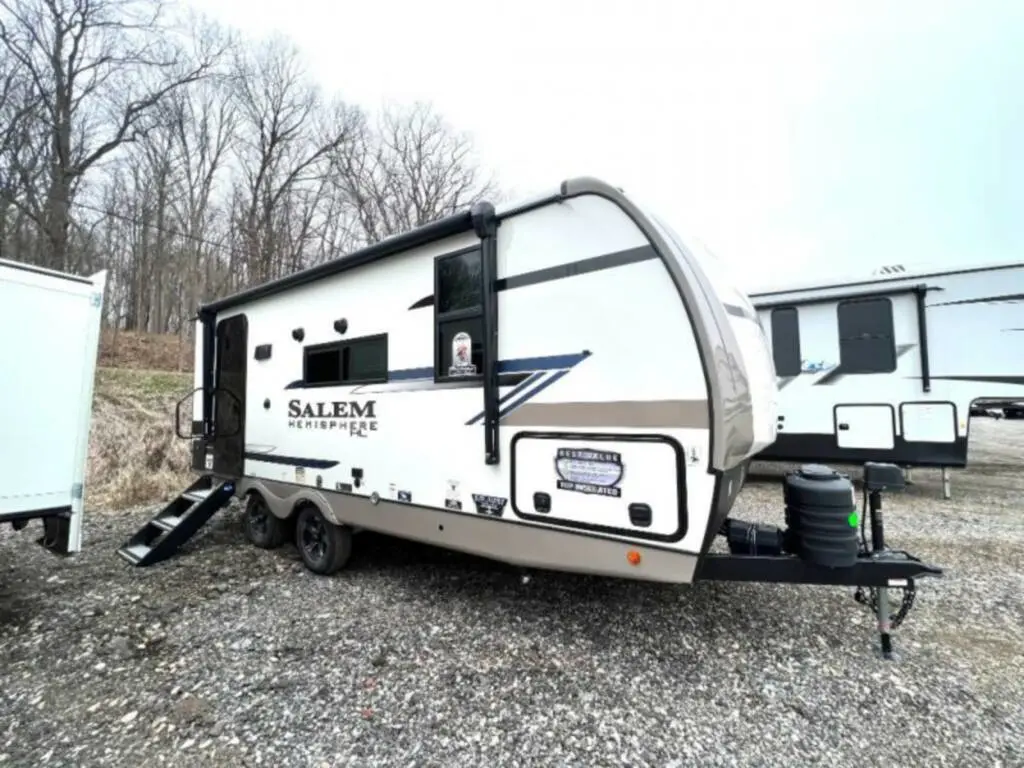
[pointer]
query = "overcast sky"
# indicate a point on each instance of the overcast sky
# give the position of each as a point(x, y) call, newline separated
point(793, 138)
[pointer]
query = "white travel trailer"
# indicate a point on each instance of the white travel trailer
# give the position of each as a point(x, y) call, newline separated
point(886, 369)
point(559, 384)
point(53, 320)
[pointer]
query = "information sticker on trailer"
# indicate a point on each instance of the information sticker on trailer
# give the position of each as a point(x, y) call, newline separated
point(462, 356)
point(584, 470)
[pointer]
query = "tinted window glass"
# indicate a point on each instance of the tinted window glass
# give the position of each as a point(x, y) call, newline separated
point(458, 282)
point(866, 338)
point(323, 366)
point(367, 360)
point(786, 341)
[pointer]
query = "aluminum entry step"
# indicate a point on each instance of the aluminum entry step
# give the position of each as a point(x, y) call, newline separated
point(134, 553)
point(167, 522)
point(196, 496)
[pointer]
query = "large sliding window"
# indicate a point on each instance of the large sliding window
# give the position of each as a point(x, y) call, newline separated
point(354, 361)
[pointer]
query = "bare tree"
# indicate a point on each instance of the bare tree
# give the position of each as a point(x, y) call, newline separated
point(203, 120)
point(285, 139)
point(186, 180)
point(21, 160)
point(407, 170)
point(98, 68)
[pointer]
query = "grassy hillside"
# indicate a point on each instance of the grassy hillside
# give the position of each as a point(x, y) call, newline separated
point(134, 455)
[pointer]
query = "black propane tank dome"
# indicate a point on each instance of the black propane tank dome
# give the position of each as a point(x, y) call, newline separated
point(821, 516)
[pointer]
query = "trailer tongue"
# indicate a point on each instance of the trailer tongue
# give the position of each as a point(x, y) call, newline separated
point(826, 544)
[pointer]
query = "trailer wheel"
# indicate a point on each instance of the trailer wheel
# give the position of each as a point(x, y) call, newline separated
point(323, 546)
point(262, 527)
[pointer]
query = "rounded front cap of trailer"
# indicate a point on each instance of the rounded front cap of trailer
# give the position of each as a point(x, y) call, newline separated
point(725, 365)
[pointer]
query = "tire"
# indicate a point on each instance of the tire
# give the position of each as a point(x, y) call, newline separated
point(323, 546)
point(262, 527)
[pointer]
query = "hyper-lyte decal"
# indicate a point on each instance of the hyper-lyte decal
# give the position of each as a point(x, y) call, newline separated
point(584, 470)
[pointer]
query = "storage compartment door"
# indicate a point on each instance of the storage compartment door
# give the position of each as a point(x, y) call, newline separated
point(928, 422)
point(865, 426)
point(626, 485)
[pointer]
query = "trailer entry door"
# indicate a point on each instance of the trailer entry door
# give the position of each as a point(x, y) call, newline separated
point(229, 397)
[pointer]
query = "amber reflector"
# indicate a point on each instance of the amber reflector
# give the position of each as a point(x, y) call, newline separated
point(633, 557)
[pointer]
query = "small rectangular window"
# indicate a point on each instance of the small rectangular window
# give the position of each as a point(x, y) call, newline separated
point(786, 341)
point(458, 315)
point(358, 361)
point(866, 337)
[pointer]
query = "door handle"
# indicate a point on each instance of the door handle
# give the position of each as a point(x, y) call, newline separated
point(844, 427)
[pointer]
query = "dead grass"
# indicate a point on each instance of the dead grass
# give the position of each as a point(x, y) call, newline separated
point(134, 455)
point(145, 351)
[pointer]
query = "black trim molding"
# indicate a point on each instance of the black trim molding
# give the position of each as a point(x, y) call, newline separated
point(581, 440)
point(791, 447)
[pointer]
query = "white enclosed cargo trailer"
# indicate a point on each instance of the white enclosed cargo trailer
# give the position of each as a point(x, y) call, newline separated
point(563, 384)
point(886, 369)
point(48, 349)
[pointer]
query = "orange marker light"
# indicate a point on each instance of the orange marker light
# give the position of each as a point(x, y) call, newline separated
point(633, 557)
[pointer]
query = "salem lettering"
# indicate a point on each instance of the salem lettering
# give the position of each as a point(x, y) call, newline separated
point(347, 416)
point(338, 409)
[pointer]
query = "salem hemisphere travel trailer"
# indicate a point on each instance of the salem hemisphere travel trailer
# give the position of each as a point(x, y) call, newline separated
point(886, 369)
point(559, 384)
point(48, 350)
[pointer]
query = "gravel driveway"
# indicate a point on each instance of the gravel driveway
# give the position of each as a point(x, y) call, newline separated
point(230, 656)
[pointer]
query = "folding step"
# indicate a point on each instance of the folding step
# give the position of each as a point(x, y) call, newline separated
point(176, 523)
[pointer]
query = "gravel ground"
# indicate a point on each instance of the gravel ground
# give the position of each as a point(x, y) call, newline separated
point(232, 656)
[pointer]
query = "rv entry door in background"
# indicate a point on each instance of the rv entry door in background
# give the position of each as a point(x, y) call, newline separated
point(229, 396)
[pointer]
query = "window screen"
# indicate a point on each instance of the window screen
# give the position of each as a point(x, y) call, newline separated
point(786, 341)
point(866, 338)
point(366, 360)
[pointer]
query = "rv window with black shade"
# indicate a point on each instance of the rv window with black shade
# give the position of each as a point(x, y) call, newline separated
point(366, 360)
point(786, 341)
point(459, 284)
point(322, 365)
point(347, 362)
point(866, 338)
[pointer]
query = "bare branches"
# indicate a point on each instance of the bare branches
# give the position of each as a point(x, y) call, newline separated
point(286, 136)
point(97, 69)
point(188, 166)
point(408, 170)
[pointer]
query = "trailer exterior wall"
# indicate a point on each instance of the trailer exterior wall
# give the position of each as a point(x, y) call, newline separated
point(49, 352)
point(599, 350)
point(956, 338)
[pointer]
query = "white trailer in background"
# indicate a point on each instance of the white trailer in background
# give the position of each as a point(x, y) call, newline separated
point(50, 325)
point(886, 369)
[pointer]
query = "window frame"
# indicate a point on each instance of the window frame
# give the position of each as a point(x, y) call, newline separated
point(776, 345)
point(890, 338)
point(341, 347)
point(468, 313)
